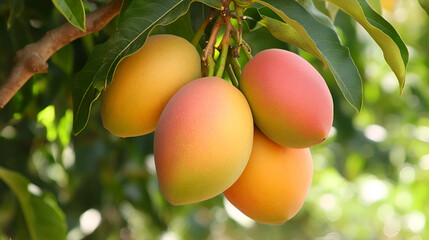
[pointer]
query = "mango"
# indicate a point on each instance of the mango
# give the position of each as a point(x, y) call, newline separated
point(273, 187)
point(144, 82)
point(290, 100)
point(203, 141)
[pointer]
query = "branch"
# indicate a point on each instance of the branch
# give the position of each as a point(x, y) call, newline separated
point(209, 49)
point(33, 57)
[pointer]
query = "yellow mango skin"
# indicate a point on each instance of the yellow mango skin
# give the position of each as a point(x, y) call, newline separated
point(145, 81)
point(203, 141)
point(274, 184)
point(290, 100)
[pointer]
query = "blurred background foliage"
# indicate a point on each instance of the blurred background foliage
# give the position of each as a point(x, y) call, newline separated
point(371, 177)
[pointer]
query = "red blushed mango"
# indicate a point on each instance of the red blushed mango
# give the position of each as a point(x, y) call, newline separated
point(203, 141)
point(290, 100)
point(274, 184)
point(145, 81)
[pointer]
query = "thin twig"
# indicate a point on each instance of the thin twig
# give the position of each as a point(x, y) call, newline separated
point(33, 57)
point(239, 10)
point(209, 49)
point(226, 40)
point(247, 50)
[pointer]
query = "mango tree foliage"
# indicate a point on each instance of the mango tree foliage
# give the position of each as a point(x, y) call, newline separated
point(373, 168)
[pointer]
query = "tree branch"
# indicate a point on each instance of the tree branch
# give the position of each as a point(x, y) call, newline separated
point(33, 57)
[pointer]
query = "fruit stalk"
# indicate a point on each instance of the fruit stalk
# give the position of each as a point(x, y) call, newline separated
point(208, 50)
point(231, 75)
point(226, 15)
point(239, 12)
point(247, 50)
point(211, 66)
point(235, 66)
point(199, 33)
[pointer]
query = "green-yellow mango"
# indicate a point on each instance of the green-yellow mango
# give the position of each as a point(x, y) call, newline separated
point(273, 187)
point(290, 100)
point(145, 81)
point(203, 141)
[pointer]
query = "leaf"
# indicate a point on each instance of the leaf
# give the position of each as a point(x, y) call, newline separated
point(324, 40)
point(198, 13)
point(252, 18)
point(316, 13)
point(286, 33)
point(135, 24)
point(394, 49)
point(279, 29)
point(43, 217)
point(425, 5)
point(376, 5)
point(64, 58)
point(73, 11)
point(181, 27)
point(328, 9)
point(16, 8)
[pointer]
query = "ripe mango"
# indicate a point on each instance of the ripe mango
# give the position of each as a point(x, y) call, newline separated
point(290, 100)
point(275, 182)
point(203, 141)
point(145, 81)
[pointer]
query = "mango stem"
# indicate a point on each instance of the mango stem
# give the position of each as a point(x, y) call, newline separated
point(199, 33)
point(231, 75)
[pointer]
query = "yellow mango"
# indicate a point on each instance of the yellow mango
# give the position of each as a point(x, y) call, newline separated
point(203, 141)
point(144, 82)
point(273, 187)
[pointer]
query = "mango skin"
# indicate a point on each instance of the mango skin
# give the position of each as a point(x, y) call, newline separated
point(273, 187)
point(145, 81)
point(290, 100)
point(203, 141)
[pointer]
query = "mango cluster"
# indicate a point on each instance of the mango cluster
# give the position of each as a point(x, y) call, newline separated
point(251, 143)
point(293, 110)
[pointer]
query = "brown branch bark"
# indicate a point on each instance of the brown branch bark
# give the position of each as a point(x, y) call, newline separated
point(209, 49)
point(32, 58)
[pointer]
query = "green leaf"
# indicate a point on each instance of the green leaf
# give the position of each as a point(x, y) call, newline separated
point(394, 49)
point(16, 8)
point(317, 13)
point(328, 9)
point(286, 33)
point(73, 11)
point(64, 58)
point(322, 39)
point(43, 217)
point(181, 27)
point(376, 5)
point(425, 5)
point(135, 24)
